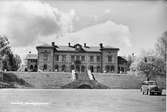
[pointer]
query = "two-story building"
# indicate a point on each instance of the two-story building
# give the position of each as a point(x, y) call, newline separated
point(78, 57)
point(31, 62)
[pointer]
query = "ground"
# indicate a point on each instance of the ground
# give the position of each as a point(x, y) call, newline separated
point(79, 100)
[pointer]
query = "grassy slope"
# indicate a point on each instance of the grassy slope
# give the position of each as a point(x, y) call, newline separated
point(46, 80)
point(51, 80)
point(10, 80)
point(124, 81)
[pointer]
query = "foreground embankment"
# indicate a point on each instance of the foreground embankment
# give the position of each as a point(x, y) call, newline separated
point(51, 80)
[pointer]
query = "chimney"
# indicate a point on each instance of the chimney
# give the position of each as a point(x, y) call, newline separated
point(85, 45)
point(69, 44)
point(101, 45)
point(53, 43)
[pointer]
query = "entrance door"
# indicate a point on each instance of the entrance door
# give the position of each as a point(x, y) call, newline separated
point(91, 69)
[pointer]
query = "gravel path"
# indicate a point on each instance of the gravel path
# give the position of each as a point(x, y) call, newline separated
point(58, 100)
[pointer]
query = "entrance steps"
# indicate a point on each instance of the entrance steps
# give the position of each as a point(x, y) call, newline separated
point(82, 76)
point(84, 80)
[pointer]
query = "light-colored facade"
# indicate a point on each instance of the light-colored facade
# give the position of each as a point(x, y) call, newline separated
point(31, 62)
point(78, 57)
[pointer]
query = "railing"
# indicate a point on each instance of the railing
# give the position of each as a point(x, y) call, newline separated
point(82, 76)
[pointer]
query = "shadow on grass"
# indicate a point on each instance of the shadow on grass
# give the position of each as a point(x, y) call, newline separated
point(13, 80)
point(84, 84)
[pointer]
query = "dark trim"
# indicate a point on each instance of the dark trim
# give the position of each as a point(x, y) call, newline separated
point(109, 49)
point(44, 47)
point(78, 51)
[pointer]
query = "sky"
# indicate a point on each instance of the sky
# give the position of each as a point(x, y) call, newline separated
point(131, 26)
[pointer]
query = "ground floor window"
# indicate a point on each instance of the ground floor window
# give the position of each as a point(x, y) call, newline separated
point(45, 67)
point(31, 67)
point(112, 68)
point(98, 69)
point(109, 68)
point(82, 68)
point(63, 68)
point(56, 68)
point(121, 69)
point(91, 68)
point(78, 68)
point(72, 67)
point(35, 68)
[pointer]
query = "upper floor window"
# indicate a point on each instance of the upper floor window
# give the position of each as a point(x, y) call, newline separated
point(57, 57)
point(63, 57)
point(110, 58)
point(45, 56)
point(33, 60)
point(91, 58)
point(83, 58)
point(98, 58)
point(72, 58)
point(77, 57)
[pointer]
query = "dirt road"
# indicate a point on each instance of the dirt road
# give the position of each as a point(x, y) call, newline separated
point(58, 100)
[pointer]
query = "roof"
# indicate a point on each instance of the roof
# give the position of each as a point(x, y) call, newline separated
point(31, 56)
point(67, 48)
point(73, 48)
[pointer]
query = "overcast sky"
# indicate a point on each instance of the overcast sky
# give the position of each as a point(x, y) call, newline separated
point(130, 26)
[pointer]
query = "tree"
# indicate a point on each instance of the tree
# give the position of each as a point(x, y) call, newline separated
point(161, 46)
point(149, 66)
point(130, 60)
point(17, 61)
point(10, 61)
point(4, 46)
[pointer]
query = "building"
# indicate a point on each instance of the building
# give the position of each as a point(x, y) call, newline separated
point(31, 62)
point(122, 65)
point(78, 57)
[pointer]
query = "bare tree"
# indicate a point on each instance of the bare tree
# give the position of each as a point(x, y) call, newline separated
point(161, 46)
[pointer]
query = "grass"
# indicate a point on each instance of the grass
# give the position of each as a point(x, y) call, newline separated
point(12, 81)
point(56, 80)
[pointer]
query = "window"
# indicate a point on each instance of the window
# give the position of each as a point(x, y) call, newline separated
point(57, 57)
point(98, 69)
point(77, 57)
point(33, 60)
point(112, 68)
point(45, 67)
point(63, 58)
point(56, 68)
point(72, 67)
point(82, 68)
point(83, 58)
point(107, 68)
point(72, 58)
point(78, 68)
point(63, 68)
point(31, 67)
point(98, 58)
point(91, 68)
point(45, 56)
point(109, 58)
point(91, 58)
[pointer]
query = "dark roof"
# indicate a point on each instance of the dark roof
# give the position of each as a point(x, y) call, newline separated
point(72, 48)
point(121, 60)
